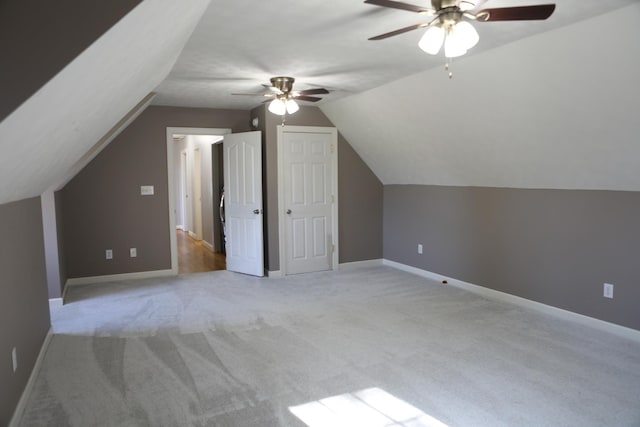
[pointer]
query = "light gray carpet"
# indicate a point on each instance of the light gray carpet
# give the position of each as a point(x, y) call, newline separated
point(224, 349)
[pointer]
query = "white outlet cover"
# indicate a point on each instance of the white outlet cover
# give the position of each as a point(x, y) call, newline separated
point(14, 359)
point(420, 248)
point(133, 252)
point(608, 290)
point(108, 254)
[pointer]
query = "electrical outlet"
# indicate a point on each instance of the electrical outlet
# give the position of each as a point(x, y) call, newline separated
point(608, 290)
point(14, 359)
point(108, 254)
point(133, 252)
point(420, 248)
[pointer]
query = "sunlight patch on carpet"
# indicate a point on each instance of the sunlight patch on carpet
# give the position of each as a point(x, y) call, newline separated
point(372, 407)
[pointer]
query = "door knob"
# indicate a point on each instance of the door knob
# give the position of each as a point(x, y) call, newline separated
point(256, 211)
point(288, 211)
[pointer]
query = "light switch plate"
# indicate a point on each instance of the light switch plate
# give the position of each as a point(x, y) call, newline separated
point(146, 190)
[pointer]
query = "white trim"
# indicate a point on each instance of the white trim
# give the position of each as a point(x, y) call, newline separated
point(55, 302)
point(601, 325)
point(180, 227)
point(22, 402)
point(358, 264)
point(64, 292)
point(118, 277)
point(334, 189)
point(173, 241)
point(193, 235)
point(274, 273)
point(207, 245)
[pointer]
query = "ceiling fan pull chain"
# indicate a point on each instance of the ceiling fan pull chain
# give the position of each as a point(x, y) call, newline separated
point(447, 67)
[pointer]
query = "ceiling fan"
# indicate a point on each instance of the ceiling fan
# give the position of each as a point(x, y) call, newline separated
point(283, 96)
point(450, 26)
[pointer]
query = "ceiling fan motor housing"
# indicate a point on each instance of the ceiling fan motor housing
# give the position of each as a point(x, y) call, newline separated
point(284, 84)
point(443, 4)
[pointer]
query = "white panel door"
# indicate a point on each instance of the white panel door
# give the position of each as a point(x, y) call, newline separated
point(308, 201)
point(243, 202)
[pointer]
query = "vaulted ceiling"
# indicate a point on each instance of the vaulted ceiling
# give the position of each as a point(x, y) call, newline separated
point(536, 104)
point(559, 109)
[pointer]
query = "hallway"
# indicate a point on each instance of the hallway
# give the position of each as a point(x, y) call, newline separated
point(195, 257)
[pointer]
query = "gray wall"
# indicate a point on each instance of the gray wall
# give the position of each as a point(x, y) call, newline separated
point(24, 310)
point(102, 206)
point(359, 192)
point(41, 37)
point(556, 247)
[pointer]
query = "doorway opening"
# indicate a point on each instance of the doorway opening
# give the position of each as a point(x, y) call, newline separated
point(196, 176)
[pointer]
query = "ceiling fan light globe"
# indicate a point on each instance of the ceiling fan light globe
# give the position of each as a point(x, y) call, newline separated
point(432, 40)
point(278, 107)
point(291, 106)
point(466, 34)
point(453, 48)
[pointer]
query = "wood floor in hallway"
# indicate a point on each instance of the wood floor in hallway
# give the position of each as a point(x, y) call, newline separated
point(195, 257)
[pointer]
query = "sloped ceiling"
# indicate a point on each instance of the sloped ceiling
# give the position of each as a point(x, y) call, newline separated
point(556, 109)
point(56, 126)
point(559, 109)
point(238, 45)
point(42, 37)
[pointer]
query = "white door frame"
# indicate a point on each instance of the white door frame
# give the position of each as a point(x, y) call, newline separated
point(171, 184)
point(281, 197)
point(196, 176)
point(184, 190)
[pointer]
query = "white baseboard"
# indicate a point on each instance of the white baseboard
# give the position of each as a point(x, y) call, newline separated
point(357, 264)
point(118, 277)
point(17, 413)
point(193, 235)
point(274, 273)
point(207, 245)
point(55, 302)
point(602, 325)
point(180, 227)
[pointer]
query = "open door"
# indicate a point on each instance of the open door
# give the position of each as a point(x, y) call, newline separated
point(243, 202)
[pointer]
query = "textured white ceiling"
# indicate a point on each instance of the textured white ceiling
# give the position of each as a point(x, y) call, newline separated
point(54, 128)
point(564, 96)
point(240, 44)
point(556, 110)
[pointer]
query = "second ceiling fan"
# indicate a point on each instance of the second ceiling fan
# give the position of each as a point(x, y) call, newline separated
point(282, 96)
point(450, 26)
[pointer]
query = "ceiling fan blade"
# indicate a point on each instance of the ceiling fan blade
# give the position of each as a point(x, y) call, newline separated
point(517, 13)
point(317, 91)
point(254, 94)
point(307, 98)
point(401, 5)
point(400, 31)
point(273, 89)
